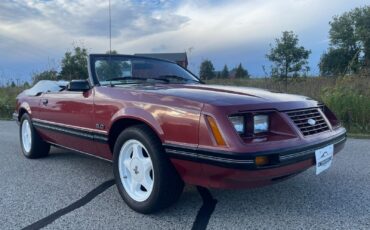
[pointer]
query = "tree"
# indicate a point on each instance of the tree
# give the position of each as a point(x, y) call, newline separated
point(334, 62)
point(289, 59)
point(241, 72)
point(349, 48)
point(113, 52)
point(74, 65)
point(225, 72)
point(45, 75)
point(207, 71)
point(362, 25)
point(108, 69)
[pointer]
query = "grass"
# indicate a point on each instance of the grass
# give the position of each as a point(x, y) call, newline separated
point(7, 101)
point(348, 97)
point(359, 136)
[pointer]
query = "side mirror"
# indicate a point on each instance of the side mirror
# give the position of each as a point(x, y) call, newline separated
point(78, 85)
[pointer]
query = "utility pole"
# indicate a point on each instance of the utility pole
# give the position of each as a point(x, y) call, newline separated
point(110, 29)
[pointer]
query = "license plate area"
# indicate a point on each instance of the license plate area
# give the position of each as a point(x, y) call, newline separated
point(324, 158)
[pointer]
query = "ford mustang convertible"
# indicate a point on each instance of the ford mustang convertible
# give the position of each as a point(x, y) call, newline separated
point(162, 127)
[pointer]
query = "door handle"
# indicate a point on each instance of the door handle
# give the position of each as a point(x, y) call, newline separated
point(45, 101)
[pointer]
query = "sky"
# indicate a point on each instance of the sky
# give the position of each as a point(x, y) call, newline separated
point(35, 34)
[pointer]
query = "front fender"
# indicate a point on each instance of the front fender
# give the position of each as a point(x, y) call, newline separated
point(24, 105)
point(139, 115)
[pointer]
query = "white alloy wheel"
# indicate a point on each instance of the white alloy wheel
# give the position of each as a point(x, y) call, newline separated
point(26, 135)
point(136, 170)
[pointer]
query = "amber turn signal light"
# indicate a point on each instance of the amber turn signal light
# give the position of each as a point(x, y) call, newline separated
point(215, 131)
point(260, 161)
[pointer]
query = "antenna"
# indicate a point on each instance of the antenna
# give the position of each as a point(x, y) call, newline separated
point(110, 29)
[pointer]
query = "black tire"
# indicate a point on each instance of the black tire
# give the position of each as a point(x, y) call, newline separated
point(168, 185)
point(39, 148)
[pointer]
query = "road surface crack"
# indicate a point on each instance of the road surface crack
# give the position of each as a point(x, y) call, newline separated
point(205, 212)
point(77, 204)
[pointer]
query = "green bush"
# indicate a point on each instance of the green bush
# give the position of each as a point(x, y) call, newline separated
point(7, 100)
point(348, 97)
point(350, 101)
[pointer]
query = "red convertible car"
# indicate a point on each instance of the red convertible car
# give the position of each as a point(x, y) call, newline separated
point(162, 127)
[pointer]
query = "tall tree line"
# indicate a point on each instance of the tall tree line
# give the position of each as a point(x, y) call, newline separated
point(349, 48)
point(348, 53)
point(73, 66)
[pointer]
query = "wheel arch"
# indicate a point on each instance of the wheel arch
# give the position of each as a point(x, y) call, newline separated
point(122, 123)
point(24, 108)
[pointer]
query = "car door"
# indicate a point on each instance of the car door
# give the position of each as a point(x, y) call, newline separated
point(66, 118)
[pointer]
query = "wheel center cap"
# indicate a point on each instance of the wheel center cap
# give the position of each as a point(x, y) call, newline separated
point(136, 168)
point(136, 171)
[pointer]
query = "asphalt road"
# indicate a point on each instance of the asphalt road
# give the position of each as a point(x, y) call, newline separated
point(66, 189)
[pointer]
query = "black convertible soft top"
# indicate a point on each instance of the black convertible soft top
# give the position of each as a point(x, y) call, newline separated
point(45, 86)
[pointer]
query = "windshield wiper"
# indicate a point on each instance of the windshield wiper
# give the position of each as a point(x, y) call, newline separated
point(175, 77)
point(158, 79)
point(124, 79)
point(117, 78)
point(134, 78)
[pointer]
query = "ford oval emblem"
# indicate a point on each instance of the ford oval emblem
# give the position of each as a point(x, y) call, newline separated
point(311, 121)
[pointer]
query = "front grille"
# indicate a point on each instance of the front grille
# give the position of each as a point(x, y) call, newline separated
point(301, 120)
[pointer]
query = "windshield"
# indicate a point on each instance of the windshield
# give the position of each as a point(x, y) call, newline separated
point(116, 70)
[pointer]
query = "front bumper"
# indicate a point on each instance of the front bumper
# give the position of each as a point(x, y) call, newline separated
point(235, 170)
point(246, 161)
point(16, 117)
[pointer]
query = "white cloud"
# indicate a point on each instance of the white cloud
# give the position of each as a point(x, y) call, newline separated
point(34, 29)
point(90, 18)
point(243, 22)
point(31, 31)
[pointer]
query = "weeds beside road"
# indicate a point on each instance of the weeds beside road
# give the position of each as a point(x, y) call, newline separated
point(348, 97)
point(7, 100)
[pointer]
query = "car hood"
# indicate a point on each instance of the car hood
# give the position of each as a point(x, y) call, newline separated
point(229, 95)
point(224, 95)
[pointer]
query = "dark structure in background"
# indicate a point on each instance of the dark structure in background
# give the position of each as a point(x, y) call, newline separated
point(179, 58)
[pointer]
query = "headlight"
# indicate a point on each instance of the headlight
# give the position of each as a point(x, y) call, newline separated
point(238, 123)
point(261, 123)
